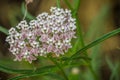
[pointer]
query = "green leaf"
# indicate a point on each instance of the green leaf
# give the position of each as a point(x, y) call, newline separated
point(79, 35)
point(27, 76)
point(40, 71)
point(76, 4)
point(78, 57)
point(11, 71)
point(4, 30)
point(25, 71)
point(68, 4)
point(44, 70)
point(101, 39)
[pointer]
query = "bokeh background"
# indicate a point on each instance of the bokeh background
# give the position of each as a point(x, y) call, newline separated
point(97, 17)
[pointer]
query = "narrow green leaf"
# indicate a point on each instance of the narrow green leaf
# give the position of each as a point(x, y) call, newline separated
point(68, 4)
point(4, 30)
point(27, 76)
point(78, 57)
point(79, 35)
point(76, 4)
point(76, 45)
point(44, 70)
point(9, 70)
point(101, 39)
point(24, 71)
point(40, 71)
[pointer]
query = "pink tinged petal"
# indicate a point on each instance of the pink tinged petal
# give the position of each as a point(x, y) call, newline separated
point(30, 58)
point(24, 36)
point(35, 51)
point(65, 47)
point(31, 40)
point(58, 51)
point(60, 22)
point(72, 34)
point(44, 38)
point(18, 57)
point(64, 36)
point(49, 48)
point(37, 32)
point(49, 30)
point(56, 37)
point(23, 50)
point(44, 46)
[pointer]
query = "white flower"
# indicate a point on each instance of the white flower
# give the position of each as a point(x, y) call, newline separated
point(48, 33)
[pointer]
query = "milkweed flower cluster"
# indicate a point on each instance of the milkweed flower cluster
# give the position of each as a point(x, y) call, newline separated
point(48, 33)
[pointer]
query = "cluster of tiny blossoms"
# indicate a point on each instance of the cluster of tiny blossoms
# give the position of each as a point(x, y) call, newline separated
point(48, 33)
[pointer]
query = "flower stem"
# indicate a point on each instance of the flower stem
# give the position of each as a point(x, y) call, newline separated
point(79, 32)
point(25, 14)
point(68, 4)
point(58, 3)
point(57, 64)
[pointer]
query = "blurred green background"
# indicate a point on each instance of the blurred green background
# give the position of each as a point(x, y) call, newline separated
point(97, 17)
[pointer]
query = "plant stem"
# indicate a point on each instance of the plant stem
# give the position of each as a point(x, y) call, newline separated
point(25, 14)
point(58, 3)
point(57, 64)
point(79, 32)
point(68, 4)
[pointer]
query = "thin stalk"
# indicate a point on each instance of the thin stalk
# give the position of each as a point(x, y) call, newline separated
point(57, 64)
point(68, 4)
point(25, 14)
point(79, 32)
point(58, 3)
point(78, 5)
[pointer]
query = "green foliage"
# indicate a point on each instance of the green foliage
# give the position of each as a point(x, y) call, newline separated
point(97, 41)
point(115, 69)
point(78, 54)
point(68, 4)
point(3, 30)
